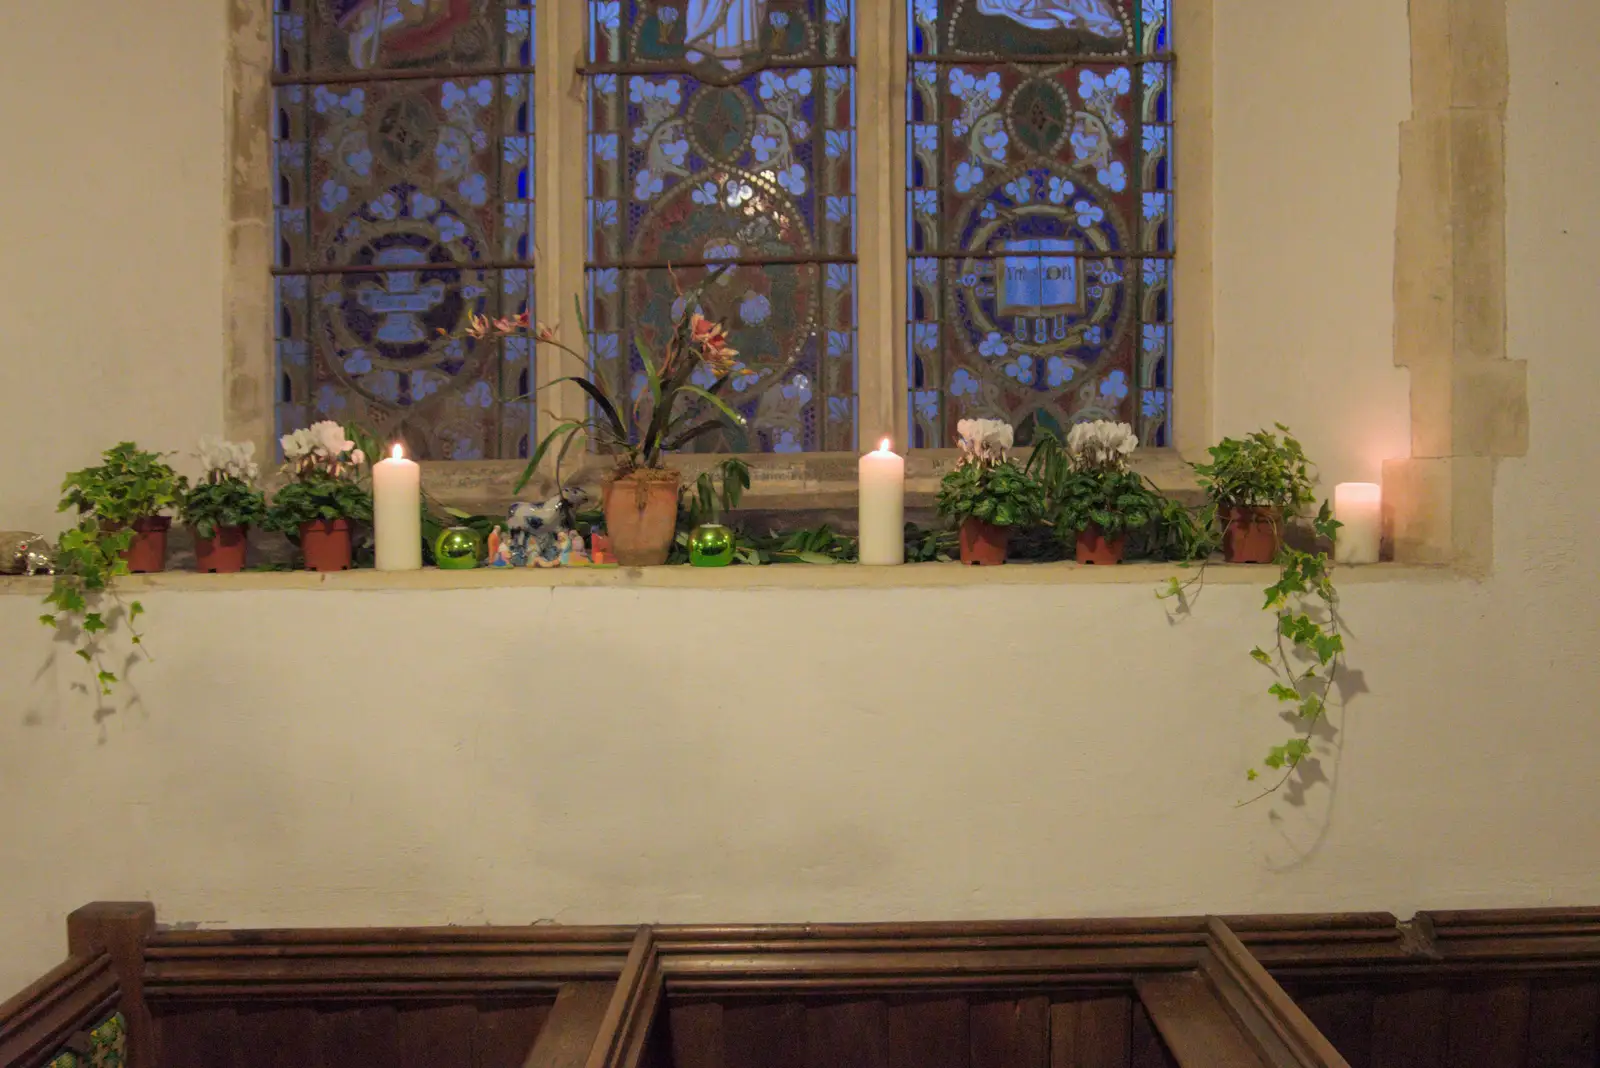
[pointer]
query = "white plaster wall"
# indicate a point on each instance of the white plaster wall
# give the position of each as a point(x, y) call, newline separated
point(111, 241)
point(613, 755)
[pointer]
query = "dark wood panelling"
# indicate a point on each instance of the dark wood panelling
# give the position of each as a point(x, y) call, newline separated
point(764, 1035)
point(203, 1038)
point(1345, 1019)
point(1146, 1050)
point(45, 1014)
point(1105, 1033)
point(929, 1034)
point(369, 1035)
point(1562, 1018)
point(278, 1037)
point(502, 1036)
point(850, 1034)
point(1010, 1034)
point(694, 1032)
point(1488, 1026)
point(1408, 1028)
point(437, 1036)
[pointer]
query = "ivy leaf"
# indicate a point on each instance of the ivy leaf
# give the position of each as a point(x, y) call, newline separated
point(1252, 775)
point(1284, 693)
point(106, 679)
point(93, 624)
point(1311, 707)
point(1258, 654)
point(83, 654)
point(48, 620)
point(135, 610)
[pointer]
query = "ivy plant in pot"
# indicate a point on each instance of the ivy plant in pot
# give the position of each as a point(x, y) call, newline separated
point(129, 490)
point(1092, 497)
point(324, 495)
point(120, 529)
point(1256, 484)
point(683, 399)
point(221, 507)
point(988, 494)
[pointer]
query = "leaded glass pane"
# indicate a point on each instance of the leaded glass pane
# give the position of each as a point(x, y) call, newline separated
point(724, 130)
point(1039, 214)
point(403, 179)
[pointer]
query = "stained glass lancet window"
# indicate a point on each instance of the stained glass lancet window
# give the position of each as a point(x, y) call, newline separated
point(1039, 214)
point(724, 130)
point(403, 188)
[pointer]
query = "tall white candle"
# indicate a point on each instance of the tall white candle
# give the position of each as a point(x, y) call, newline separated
point(1359, 506)
point(882, 478)
point(397, 512)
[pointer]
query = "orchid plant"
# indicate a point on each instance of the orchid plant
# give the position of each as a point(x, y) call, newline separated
point(672, 411)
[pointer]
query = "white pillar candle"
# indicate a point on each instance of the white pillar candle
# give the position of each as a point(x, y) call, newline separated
point(1359, 506)
point(397, 512)
point(882, 479)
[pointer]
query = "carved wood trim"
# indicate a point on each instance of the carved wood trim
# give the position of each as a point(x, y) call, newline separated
point(39, 1020)
point(634, 1002)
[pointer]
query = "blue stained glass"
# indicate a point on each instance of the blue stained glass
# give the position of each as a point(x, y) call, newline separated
point(704, 146)
point(1042, 191)
point(402, 206)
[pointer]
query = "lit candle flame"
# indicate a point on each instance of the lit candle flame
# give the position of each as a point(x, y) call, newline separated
point(398, 452)
point(884, 447)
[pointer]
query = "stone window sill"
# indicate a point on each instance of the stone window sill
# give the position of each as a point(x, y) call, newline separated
point(779, 576)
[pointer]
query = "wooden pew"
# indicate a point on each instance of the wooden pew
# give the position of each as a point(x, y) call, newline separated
point(1446, 990)
point(89, 1009)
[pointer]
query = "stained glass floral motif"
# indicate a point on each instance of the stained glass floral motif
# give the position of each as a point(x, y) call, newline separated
point(1039, 210)
point(724, 131)
point(404, 203)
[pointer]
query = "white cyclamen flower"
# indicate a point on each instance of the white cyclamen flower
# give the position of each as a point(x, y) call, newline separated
point(1101, 444)
point(985, 440)
point(228, 459)
point(298, 444)
point(330, 440)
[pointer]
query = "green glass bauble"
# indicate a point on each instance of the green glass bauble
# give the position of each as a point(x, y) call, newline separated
point(711, 545)
point(456, 549)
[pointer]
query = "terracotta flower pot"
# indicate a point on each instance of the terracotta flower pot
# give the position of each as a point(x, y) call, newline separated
point(1253, 535)
point(1095, 548)
point(223, 552)
point(983, 543)
point(326, 544)
point(641, 517)
point(149, 549)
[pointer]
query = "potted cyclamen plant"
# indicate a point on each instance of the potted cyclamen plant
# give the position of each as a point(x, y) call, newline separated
point(1093, 497)
point(127, 492)
point(1256, 484)
point(987, 493)
point(324, 494)
point(223, 505)
point(640, 495)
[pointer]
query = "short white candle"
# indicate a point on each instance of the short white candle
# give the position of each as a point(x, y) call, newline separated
point(1359, 506)
point(882, 478)
point(397, 512)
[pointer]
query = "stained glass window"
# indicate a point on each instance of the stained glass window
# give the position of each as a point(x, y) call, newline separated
point(724, 131)
point(1039, 214)
point(403, 189)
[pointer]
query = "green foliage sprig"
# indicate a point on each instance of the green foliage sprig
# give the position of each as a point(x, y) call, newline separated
point(128, 485)
point(1309, 652)
point(226, 502)
point(1000, 493)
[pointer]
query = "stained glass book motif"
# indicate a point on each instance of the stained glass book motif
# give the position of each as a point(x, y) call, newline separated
point(723, 131)
point(1039, 209)
point(403, 184)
